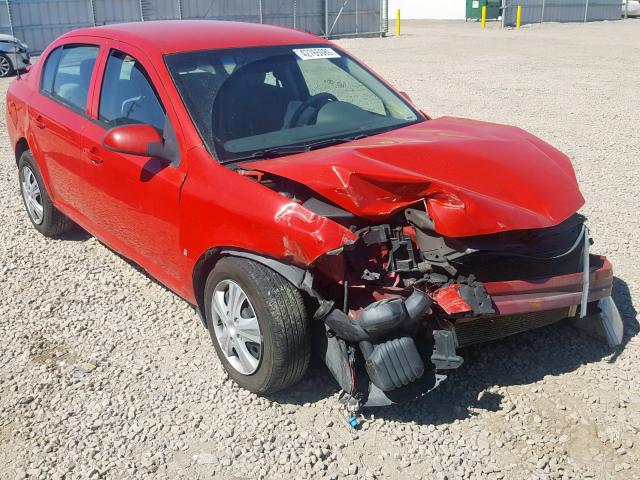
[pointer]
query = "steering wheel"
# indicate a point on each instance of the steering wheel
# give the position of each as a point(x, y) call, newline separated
point(316, 101)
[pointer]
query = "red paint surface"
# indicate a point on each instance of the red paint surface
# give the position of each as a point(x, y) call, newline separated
point(520, 296)
point(525, 296)
point(131, 138)
point(166, 37)
point(480, 177)
point(449, 299)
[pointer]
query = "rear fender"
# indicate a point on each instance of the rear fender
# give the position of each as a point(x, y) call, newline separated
point(21, 136)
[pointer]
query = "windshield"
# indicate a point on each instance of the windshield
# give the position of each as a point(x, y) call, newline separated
point(269, 101)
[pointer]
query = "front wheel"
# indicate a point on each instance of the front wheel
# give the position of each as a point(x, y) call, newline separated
point(258, 324)
point(6, 67)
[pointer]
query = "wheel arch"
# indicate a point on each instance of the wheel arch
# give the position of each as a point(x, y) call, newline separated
point(21, 146)
point(299, 278)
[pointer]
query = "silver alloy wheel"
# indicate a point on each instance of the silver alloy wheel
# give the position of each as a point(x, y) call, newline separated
point(236, 327)
point(5, 66)
point(32, 196)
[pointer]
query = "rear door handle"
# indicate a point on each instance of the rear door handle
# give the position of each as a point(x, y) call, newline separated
point(92, 155)
point(37, 121)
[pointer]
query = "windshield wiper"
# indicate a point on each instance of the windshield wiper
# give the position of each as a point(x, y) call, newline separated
point(292, 149)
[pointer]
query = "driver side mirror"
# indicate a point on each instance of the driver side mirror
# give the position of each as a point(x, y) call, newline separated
point(140, 140)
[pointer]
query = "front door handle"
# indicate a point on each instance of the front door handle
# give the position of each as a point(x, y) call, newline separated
point(93, 155)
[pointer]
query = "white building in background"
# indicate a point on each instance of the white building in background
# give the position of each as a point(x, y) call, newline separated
point(433, 9)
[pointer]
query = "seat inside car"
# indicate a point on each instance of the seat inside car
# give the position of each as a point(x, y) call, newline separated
point(131, 98)
point(201, 82)
point(75, 92)
point(248, 104)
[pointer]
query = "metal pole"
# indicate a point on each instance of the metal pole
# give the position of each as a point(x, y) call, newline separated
point(13, 35)
point(356, 16)
point(338, 15)
point(10, 17)
point(92, 7)
point(384, 10)
point(586, 9)
point(260, 10)
point(542, 13)
point(295, 5)
point(504, 12)
point(141, 10)
point(326, 18)
point(180, 9)
point(626, 9)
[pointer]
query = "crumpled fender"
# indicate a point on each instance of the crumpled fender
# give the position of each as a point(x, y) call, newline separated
point(246, 215)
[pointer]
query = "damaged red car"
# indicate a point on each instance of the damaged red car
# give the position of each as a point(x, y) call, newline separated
point(300, 203)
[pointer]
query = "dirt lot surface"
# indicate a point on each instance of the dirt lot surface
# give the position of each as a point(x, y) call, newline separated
point(104, 373)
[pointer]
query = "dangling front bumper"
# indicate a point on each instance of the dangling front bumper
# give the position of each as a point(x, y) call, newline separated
point(523, 305)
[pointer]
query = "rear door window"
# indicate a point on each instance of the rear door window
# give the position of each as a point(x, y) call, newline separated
point(128, 96)
point(67, 74)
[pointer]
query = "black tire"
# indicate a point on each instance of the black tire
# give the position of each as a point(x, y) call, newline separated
point(283, 321)
point(53, 223)
point(4, 72)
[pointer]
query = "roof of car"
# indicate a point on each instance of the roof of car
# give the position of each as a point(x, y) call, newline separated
point(172, 36)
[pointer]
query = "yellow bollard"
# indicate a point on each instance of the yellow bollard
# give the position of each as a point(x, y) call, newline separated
point(518, 16)
point(397, 22)
point(484, 16)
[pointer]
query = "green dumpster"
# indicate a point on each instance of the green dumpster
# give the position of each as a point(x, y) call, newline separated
point(474, 9)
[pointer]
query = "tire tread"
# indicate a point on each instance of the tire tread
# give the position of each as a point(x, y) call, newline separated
point(289, 329)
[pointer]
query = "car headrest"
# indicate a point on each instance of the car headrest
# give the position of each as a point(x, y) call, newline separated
point(86, 68)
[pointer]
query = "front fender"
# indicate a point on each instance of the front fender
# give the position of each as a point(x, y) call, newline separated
point(223, 210)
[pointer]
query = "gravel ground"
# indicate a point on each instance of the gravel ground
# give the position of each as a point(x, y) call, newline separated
point(104, 373)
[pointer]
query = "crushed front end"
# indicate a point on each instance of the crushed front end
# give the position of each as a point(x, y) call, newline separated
point(455, 232)
point(397, 303)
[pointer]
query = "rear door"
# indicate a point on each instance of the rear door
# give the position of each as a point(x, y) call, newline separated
point(134, 199)
point(58, 115)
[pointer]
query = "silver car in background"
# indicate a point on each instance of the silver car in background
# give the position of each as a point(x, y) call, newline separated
point(631, 8)
point(14, 55)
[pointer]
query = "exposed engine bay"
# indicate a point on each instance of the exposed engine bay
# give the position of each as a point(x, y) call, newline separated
point(390, 301)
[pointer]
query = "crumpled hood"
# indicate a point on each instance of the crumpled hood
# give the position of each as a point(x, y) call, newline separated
point(476, 178)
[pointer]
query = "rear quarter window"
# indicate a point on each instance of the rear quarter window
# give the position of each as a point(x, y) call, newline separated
point(49, 71)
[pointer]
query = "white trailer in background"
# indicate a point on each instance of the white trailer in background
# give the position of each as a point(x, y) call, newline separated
point(429, 9)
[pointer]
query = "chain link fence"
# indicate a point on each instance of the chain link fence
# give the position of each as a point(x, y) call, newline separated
point(538, 11)
point(38, 22)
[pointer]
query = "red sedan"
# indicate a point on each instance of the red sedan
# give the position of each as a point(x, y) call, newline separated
point(295, 198)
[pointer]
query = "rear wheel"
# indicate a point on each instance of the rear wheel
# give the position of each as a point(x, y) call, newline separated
point(43, 215)
point(258, 325)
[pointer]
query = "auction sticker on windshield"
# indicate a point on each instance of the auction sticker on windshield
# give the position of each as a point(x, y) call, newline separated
point(315, 53)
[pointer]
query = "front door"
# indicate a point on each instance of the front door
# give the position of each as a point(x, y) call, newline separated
point(135, 199)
